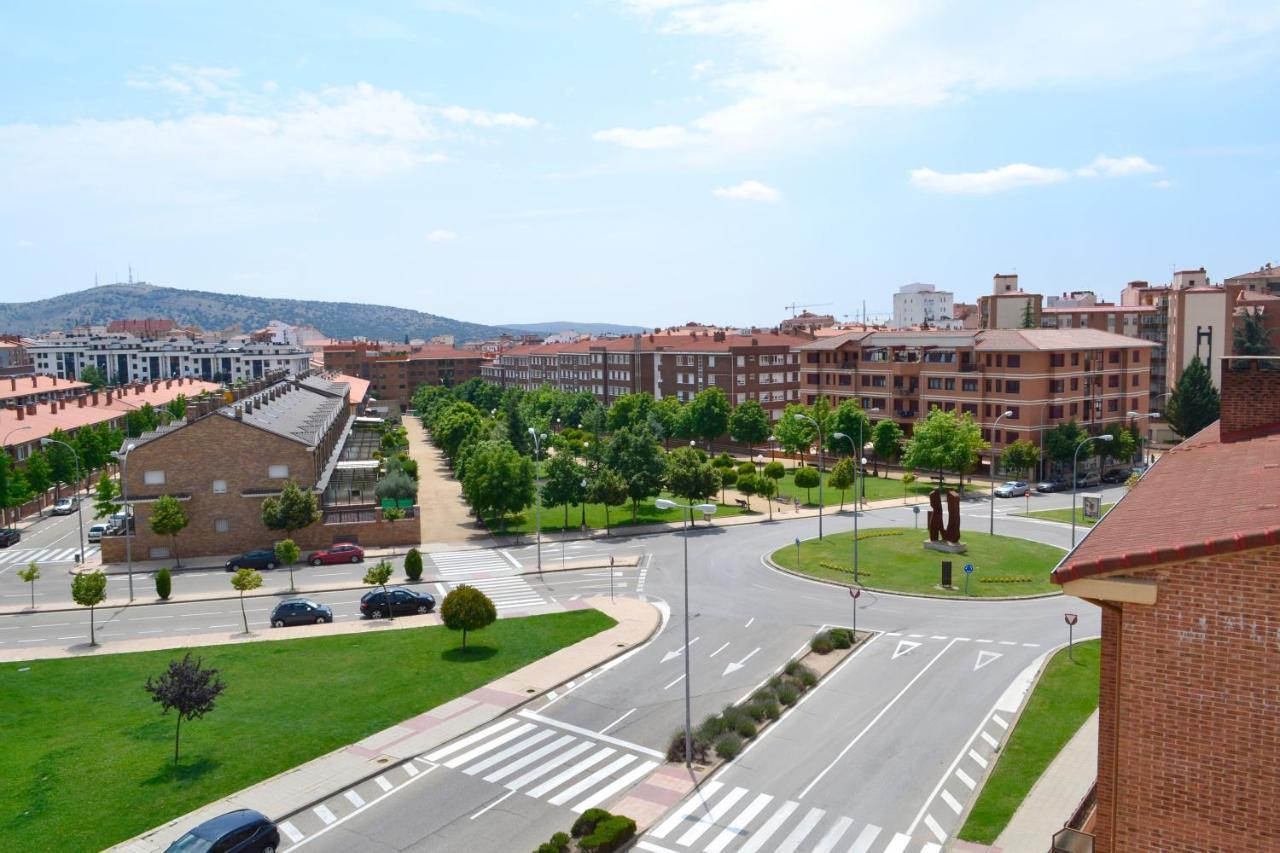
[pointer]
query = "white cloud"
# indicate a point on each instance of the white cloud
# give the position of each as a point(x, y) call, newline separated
point(701, 69)
point(441, 235)
point(1163, 184)
point(25, 244)
point(647, 138)
point(748, 191)
point(1016, 175)
point(484, 118)
point(186, 81)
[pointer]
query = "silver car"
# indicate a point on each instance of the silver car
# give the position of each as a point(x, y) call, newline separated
point(1012, 489)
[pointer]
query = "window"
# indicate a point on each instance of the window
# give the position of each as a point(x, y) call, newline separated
point(1113, 381)
point(1137, 356)
point(1016, 412)
point(1057, 386)
point(158, 552)
point(1113, 356)
point(153, 478)
point(219, 487)
point(1010, 437)
point(949, 384)
point(1013, 386)
point(1075, 383)
point(221, 525)
point(1113, 405)
point(999, 359)
point(1015, 361)
point(1075, 359)
point(278, 472)
point(1057, 359)
point(1055, 411)
point(1137, 380)
point(934, 383)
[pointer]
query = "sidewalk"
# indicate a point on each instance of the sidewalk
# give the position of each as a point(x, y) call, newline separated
point(322, 777)
point(445, 516)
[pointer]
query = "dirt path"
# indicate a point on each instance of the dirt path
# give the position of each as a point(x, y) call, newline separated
point(445, 516)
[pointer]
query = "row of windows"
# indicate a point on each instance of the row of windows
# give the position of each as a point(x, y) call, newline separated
point(157, 478)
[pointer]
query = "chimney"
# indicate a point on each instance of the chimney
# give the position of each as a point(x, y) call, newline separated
point(93, 396)
point(62, 403)
point(34, 382)
point(168, 382)
point(31, 409)
point(155, 386)
point(108, 396)
point(1250, 397)
point(22, 413)
point(80, 400)
point(13, 383)
point(239, 413)
point(53, 407)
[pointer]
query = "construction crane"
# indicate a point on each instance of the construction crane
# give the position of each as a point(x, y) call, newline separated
point(792, 307)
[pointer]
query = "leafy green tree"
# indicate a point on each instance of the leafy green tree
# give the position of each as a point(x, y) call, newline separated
point(1194, 403)
point(749, 423)
point(850, 419)
point(396, 485)
point(292, 510)
point(62, 460)
point(629, 410)
point(773, 471)
point(104, 503)
point(245, 580)
point(177, 407)
point(842, 477)
point(378, 575)
point(807, 478)
point(168, 518)
point(413, 564)
point(1122, 445)
point(455, 426)
point(747, 484)
point(93, 453)
point(666, 419)
point(287, 553)
point(30, 575)
point(38, 473)
point(943, 442)
point(766, 487)
point(465, 609)
point(747, 468)
point(89, 589)
point(886, 441)
point(1021, 456)
point(606, 487)
point(691, 478)
point(562, 483)
point(969, 447)
point(517, 428)
point(1028, 315)
point(1251, 335)
point(1060, 442)
point(188, 688)
point(635, 455)
point(498, 480)
point(93, 376)
point(793, 432)
point(728, 477)
point(708, 415)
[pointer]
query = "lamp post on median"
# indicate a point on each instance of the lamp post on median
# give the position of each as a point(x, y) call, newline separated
point(123, 459)
point(663, 503)
point(45, 442)
point(818, 427)
point(537, 494)
point(1006, 414)
point(1075, 478)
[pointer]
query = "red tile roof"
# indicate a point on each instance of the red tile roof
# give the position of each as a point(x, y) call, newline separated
point(1099, 309)
point(23, 386)
point(1004, 340)
point(1202, 498)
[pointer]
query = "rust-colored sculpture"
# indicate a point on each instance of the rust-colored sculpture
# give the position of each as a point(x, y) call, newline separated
point(952, 534)
point(935, 515)
point(937, 531)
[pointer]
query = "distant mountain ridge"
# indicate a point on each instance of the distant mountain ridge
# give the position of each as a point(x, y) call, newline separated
point(587, 328)
point(215, 311)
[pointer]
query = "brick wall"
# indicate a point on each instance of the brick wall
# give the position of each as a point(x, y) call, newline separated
point(1191, 685)
point(1250, 399)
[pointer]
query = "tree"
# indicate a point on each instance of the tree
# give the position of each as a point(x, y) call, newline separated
point(728, 477)
point(188, 688)
point(456, 426)
point(749, 423)
point(807, 478)
point(629, 410)
point(293, 510)
point(608, 488)
point(944, 442)
point(886, 441)
point(287, 553)
point(1028, 315)
point(245, 580)
point(413, 564)
point(691, 478)
point(1194, 403)
point(164, 584)
point(1122, 445)
point(497, 480)
point(89, 589)
point(968, 447)
point(666, 419)
point(38, 473)
point(1251, 335)
point(634, 454)
point(747, 484)
point(1060, 442)
point(104, 502)
point(93, 376)
point(465, 609)
point(395, 485)
point(843, 476)
point(92, 452)
point(378, 575)
point(708, 415)
point(30, 575)
point(62, 460)
point(772, 471)
point(850, 419)
point(1021, 456)
point(766, 487)
point(793, 432)
point(177, 407)
point(562, 483)
point(168, 518)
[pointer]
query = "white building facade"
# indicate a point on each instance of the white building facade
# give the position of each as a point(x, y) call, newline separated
point(920, 304)
point(126, 358)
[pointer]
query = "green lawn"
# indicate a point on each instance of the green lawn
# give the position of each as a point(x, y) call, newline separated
point(1064, 515)
point(1063, 699)
point(877, 489)
point(88, 757)
point(619, 516)
point(894, 559)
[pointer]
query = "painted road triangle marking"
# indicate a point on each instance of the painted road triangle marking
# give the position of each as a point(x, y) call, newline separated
point(985, 658)
point(904, 646)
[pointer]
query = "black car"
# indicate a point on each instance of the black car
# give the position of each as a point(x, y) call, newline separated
point(300, 611)
point(8, 537)
point(1115, 476)
point(263, 558)
point(1047, 486)
point(240, 831)
point(374, 603)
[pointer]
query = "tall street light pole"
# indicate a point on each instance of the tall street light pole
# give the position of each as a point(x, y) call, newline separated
point(123, 459)
point(663, 503)
point(1006, 414)
point(45, 442)
point(862, 461)
point(537, 494)
point(855, 510)
point(818, 427)
point(1075, 478)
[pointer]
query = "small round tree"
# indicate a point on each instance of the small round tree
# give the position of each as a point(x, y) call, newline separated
point(30, 575)
point(747, 486)
point(843, 476)
point(467, 609)
point(164, 584)
point(243, 581)
point(413, 564)
point(288, 552)
point(89, 589)
point(807, 478)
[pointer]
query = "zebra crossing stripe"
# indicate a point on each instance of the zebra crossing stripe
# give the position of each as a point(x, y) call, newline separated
point(710, 816)
point(865, 839)
point(738, 826)
point(770, 827)
point(623, 782)
point(322, 812)
point(595, 778)
point(458, 761)
point(290, 831)
point(834, 834)
point(536, 737)
point(533, 774)
point(382, 783)
point(564, 776)
point(356, 799)
point(521, 763)
point(699, 797)
point(470, 739)
point(801, 832)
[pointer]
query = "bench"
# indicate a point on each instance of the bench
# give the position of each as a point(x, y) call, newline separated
point(742, 502)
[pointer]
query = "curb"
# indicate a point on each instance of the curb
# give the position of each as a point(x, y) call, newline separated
point(768, 561)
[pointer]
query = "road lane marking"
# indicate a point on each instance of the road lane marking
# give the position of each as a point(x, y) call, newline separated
point(524, 743)
point(719, 650)
point(710, 816)
point(290, 831)
point(834, 834)
point(699, 796)
point(1000, 721)
point(555, 762)
point(671, 655)
point(469, 755)
point(569, 727)
point(525, 761)
point(470, 739)
point(565, 775)
point(491, 805)
point(737, 665)
point(356, 799)
point(679, 679)
point(382, 783)
point(984, 658)
point(412, 769)
point(978, 758)
point(619, 720)
point(904, 647)
point(898, 844)
point(625, 781)
point(865, 839)
point(965, 778)
point(595, 778)
point(368, 805)
point(766, 832)
point(934, 828)
point(749, 621)
point(951, 801)
point(739, 824)
point(322, 812)
point(990, 740)
point(801, 832)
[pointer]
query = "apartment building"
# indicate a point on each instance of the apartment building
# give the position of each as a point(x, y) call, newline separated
point(124, 358)
point(1184, 572)
point(922, 304)
point(14, 360)
point(759, 365)
point(1043, 377)
point(1008, 306)
point(395, 372)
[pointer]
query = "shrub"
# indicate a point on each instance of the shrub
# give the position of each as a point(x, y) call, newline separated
point(806, 677)
point(413, 564)
point(728, 746)
point(776, 682)
point(758, 711)
point(764, 694)
point(793, 666)
point(586, 822)
point(610, 834)
point(561, 840)
point(675, 752)
point(821, 644)
point(745, 728)
point(787, 694)
point(710, 728)
point(164, 584)
point(732, 715)
point(772, 709)
point(841, 638)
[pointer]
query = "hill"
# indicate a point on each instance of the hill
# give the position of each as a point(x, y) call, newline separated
point(564, 325)
point(214, 311)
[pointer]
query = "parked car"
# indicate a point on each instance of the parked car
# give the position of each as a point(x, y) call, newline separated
point(9, 536)
point(300, 611)
point(263, 558)
point(1117, 475)
point(1089, 478)
point(1012, 489)
point(343, 552)
point(96, 532)
point(373, 603)
point(65, 506)
point(1139, 469)
point(240, 831)
point(1048, 486)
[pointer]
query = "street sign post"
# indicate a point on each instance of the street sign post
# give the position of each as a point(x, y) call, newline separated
point(1070, 619)
point(916, 510)
point(797, 553)
point(968, 570)
point(854, 592)
point(611, 577)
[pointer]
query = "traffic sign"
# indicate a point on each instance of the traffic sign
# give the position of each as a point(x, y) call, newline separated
point(1070, 618)
point(968, 568)
point(854, 592)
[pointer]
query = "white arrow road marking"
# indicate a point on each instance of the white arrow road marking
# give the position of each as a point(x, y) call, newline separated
point(904, 646)
point(734, 667)
point(671, 655)
point(985, 658)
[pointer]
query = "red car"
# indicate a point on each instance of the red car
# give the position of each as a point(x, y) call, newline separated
point(343, 552)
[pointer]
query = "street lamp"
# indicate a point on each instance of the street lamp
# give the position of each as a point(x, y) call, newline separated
point(817, 426)
point(663, 503)
point(1075, 478)
point(45, 442)
point(537, 494)
point(123, 459)
point(1006, 414)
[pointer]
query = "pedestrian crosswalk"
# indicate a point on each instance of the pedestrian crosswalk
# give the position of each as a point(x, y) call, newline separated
point(10, 556)
point(492, 573)
point(337, 809)
point(720, 818)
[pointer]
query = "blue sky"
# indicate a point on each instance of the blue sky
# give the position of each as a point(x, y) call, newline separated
point(634, 161)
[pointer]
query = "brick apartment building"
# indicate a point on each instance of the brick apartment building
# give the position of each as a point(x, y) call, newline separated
point(762, 365)
point(224, 460)
point(395, 372)
point(1186, 570)
point(1045, 377)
